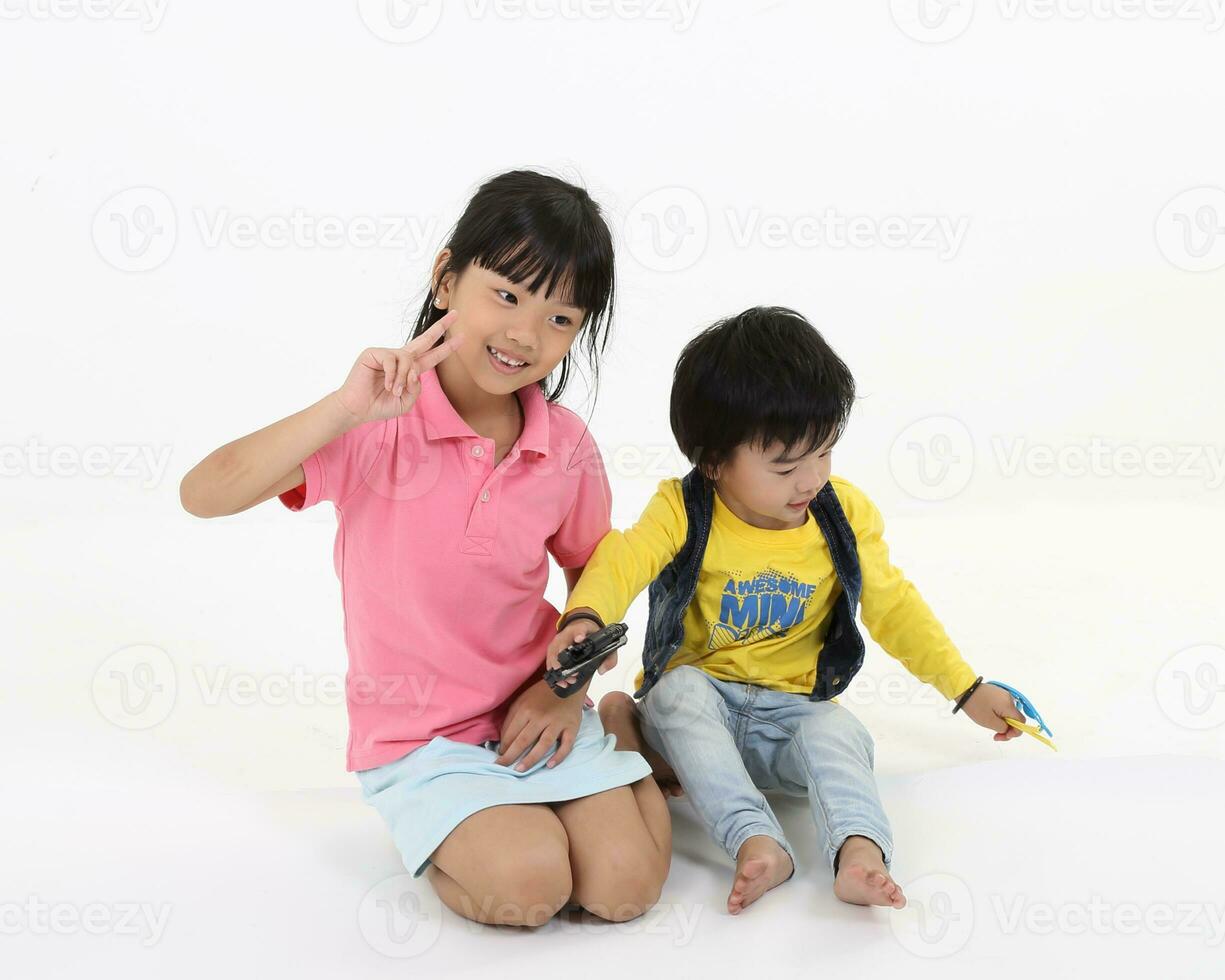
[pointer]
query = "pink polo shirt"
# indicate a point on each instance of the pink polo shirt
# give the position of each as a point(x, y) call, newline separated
point(443, 561)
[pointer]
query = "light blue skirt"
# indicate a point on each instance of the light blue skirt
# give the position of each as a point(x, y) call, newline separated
point(426, 794)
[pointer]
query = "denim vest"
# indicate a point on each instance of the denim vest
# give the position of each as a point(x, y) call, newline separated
point(838, 658)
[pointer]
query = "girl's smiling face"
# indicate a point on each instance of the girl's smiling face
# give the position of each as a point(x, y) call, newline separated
point(504, 322)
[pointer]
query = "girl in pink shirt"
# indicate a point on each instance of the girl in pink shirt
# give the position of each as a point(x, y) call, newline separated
point(455, 474)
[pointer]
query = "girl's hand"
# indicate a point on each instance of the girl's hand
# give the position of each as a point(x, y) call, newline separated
point(576, 631)
point(989, 706)
point(538, 719)
point(385, 381)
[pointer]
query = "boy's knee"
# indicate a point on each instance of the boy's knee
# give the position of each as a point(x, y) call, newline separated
point(681, 696)
point(835, 725)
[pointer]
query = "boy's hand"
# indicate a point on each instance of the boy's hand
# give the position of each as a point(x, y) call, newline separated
point(576, 631)
point(989, 706)
point(538, 718)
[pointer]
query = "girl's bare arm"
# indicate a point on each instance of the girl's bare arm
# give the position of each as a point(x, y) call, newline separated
point(265, 463)
point(383, 383)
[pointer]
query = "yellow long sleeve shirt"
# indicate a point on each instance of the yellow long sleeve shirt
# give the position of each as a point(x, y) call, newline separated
point(764, 597)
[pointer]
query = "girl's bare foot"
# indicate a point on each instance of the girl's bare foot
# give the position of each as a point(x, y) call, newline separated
point(862, 878)
point(760, 865)
point(619, 716)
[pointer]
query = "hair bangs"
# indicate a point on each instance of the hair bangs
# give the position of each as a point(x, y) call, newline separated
point(552, 259)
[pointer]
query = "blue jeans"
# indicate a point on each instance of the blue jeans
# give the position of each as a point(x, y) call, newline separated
point(728, 741)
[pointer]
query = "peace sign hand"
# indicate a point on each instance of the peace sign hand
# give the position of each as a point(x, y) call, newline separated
point(385, 381)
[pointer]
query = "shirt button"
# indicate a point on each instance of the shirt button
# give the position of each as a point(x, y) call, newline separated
point(484, 496)
point(478, 450)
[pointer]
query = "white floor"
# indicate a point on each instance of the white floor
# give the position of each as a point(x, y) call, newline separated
point(218, 833)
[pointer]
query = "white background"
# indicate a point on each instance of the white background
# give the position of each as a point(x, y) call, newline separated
point(1040, 424)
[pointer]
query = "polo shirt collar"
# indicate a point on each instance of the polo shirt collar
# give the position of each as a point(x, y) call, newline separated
point(443, 422)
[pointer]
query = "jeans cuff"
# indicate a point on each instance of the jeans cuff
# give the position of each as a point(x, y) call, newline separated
point(764, 831)
point(880, 840)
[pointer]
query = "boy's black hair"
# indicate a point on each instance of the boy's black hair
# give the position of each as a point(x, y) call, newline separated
point(538, 230)
point(763, 375)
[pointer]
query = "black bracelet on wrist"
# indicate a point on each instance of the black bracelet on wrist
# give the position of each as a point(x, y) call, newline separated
point(579, 614)
point(966, 696)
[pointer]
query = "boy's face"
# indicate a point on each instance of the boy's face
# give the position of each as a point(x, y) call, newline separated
point(770, 489)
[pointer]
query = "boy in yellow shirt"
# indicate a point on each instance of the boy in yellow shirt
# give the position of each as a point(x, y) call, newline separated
point(756, 561)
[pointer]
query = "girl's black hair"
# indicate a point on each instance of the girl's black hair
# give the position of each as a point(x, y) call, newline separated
point(763, 375)
point(540, 231)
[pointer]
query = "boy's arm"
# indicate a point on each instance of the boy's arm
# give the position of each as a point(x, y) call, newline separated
point(895, 613)
point(626, 562)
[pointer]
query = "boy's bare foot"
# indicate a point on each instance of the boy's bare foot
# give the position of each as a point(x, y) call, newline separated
point(862, 878)
point(619, 716)
point(761, 864)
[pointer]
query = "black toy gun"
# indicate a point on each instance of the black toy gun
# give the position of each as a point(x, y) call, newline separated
point(580, 660)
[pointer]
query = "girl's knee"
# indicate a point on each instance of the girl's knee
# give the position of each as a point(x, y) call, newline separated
point(624, 888)
point(524, 885)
